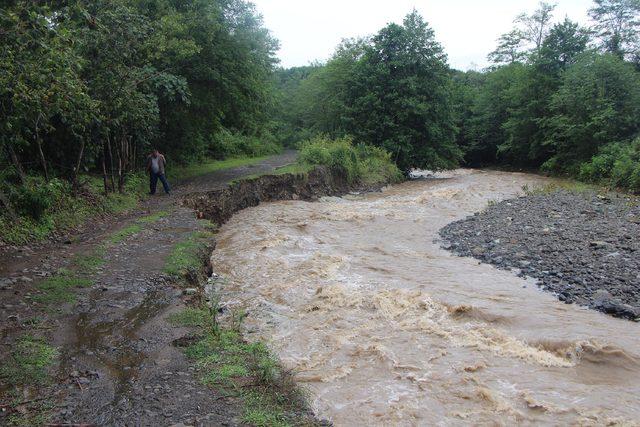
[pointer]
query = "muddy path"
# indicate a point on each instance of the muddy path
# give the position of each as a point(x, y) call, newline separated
point(118, 364)
point(385, 327)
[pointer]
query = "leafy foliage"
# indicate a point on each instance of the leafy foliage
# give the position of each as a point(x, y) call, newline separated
point(392, 90)
point(563, 106)
point(91, 86)
point(358, 163)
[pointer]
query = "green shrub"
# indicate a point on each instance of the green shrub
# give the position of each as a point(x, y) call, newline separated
point(617, 164)
point(36, 197)
point(359, 163)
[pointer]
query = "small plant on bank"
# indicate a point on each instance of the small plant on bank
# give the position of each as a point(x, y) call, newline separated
point(186, 256)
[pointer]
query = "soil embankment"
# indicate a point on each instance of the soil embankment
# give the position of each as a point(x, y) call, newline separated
point(219, 205)
point(117, 361)
point(584, 247)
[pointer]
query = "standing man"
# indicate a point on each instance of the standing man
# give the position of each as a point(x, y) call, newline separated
point(155, 166)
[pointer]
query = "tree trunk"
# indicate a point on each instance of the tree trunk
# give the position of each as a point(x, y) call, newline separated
point(17, 164)
point(113, 184)
point(43, 161)
point(7, 206)
point(76, 170)
point(104, 169)
point(120, 166)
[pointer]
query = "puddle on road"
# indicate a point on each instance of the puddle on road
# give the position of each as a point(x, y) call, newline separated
point(386, 328)
point(113, 342)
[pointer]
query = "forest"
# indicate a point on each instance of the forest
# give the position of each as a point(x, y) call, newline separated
point(87, 88)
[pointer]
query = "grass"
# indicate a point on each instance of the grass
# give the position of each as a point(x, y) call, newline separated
point(152, 218)
point(229, 363)
point(124, 233)
point(359, 163)
point(28, 363)
point(238, 368)
point(186, 172)
point(61, 288)
point(67, 212)
point(293, 168)
point(190, 317)
point(187, 255)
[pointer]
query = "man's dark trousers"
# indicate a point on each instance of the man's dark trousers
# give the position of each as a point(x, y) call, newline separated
point(154, 182)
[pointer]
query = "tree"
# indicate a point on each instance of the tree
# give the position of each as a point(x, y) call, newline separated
point(562, 46)
point(40, 85)
point(509, 48)
point(617, 25)
point(526, 38)
point(535, 27)
point(598, 103)
point(399, 98)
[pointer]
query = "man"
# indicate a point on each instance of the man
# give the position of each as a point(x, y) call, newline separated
point(155, 166)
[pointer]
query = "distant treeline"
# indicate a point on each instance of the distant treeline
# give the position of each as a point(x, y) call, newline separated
point(92, 85)
point(559, 96)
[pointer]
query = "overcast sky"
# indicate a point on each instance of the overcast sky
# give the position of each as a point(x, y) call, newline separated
point(309, 30)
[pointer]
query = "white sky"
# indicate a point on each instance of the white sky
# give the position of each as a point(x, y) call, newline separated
point(309, 30)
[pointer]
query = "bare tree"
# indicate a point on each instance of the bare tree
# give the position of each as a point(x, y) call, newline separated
point(527, 36)
point(617, 24)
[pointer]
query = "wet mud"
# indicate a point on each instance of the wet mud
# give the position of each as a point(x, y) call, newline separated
point(118, 365)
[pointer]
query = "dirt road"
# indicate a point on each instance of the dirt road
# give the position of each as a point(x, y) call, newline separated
point(118, 365)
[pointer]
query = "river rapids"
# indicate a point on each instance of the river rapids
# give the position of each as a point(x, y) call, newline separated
point(384, 327)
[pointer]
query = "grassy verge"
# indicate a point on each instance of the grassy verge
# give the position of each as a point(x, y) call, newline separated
point(45, 208)
point(230, 364)
point(361, 164)
point(227, 362)
point(27, 365)
point(186, 256)
point(294, 169)
point(62, 286)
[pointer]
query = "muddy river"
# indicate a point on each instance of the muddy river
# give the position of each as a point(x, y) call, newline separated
point(383, 327)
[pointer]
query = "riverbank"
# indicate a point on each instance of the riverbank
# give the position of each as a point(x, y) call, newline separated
point(121, 333)
point(583, 246)
point(384, 327)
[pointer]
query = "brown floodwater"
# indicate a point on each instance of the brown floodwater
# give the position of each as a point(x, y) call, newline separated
point(383, 327)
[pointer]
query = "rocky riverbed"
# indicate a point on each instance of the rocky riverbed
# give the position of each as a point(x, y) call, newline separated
point(582, 246)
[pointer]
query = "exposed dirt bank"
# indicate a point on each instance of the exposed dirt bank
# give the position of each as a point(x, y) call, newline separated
point(584, 247)
point(219, 205)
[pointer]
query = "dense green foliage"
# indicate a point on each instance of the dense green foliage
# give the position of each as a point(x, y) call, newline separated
point(93, 85)
point(560, 97)
point(392, 90)
point(360, 163)
point(569, 104)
